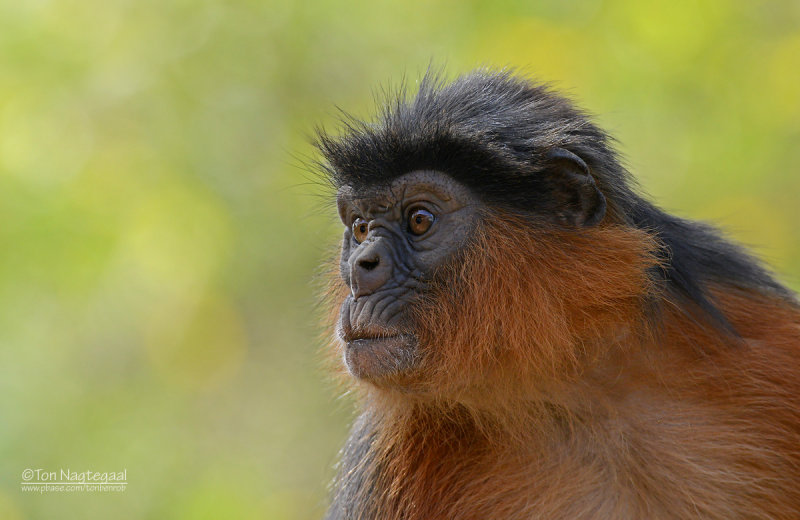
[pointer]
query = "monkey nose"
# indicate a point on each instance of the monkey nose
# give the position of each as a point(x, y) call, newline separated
point(370, 270)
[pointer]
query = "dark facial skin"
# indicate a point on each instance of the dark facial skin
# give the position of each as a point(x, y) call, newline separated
point(395, 237)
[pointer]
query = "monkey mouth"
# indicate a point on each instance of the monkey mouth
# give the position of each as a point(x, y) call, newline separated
point(369, 335)
point(372, 356)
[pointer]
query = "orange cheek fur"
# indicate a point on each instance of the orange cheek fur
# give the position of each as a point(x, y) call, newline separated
point(525, 311)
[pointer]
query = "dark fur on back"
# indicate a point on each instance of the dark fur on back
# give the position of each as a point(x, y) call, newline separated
point(492, 130)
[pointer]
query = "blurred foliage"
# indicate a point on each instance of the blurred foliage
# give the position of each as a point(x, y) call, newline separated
point(159, 232)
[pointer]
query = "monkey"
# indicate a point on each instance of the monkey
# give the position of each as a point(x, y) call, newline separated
point(528, 337)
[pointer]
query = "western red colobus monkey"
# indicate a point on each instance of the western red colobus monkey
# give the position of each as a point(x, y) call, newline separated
point(531, 339)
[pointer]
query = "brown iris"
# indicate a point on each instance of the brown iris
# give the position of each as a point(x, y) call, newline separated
point(360, 229)
point(419, 220)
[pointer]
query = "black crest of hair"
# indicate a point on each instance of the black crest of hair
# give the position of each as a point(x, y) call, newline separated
point(492, 131)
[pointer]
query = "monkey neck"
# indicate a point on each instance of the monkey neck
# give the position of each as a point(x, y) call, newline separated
point(428, 459)
point(528, 421)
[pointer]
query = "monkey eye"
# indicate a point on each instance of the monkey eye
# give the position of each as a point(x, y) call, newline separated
point(360, 229)
point(419, 220)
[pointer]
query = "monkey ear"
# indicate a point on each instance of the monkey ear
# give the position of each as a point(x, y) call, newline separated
point(579, 201)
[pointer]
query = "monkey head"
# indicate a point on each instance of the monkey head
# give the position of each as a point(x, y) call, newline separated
point(471, 240)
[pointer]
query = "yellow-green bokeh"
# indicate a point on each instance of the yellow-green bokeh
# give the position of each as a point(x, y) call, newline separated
point(159, 231)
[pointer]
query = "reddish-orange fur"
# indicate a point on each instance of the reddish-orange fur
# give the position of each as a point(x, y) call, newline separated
point(547, 390)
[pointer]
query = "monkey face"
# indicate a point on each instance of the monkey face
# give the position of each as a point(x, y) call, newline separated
point(395, 238)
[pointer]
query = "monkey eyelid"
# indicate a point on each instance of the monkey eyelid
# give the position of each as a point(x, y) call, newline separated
point(427, 206)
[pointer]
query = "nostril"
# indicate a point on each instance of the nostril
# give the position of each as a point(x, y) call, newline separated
point(369, 265)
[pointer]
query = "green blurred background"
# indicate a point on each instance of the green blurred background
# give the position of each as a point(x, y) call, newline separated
point(159, 234)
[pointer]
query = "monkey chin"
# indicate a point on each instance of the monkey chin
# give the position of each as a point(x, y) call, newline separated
point(379, 358)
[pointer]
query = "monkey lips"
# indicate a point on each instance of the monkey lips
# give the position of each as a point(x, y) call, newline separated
point(372, 352)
